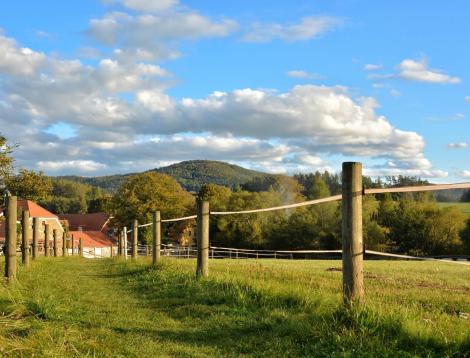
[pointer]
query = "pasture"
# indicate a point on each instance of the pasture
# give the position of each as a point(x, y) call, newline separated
point(74, 307)
point(464, 207)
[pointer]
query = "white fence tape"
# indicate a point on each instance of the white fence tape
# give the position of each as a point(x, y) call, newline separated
point(415, 257)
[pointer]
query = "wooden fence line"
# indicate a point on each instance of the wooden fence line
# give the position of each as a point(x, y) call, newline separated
point(352, 235)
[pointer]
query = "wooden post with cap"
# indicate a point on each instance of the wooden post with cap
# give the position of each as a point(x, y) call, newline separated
point(135, 237)
point(353, 271)
point(202, 239)
point(157, 238)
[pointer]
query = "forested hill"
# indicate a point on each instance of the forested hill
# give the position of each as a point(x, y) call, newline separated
point(193, 174)
point(190, 174)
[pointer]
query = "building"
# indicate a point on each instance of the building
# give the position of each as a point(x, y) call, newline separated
point(98, 238)
point(45, 217)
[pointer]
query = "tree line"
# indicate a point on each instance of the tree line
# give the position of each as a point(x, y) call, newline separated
point(403, 223)
point(411, 223)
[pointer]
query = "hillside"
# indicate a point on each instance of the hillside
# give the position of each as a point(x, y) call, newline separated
point(193, 174)
point(190, 174)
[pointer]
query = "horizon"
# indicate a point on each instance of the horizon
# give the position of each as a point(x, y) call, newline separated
point(102, 88)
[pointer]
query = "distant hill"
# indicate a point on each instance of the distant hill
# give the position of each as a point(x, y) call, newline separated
point(190, 174)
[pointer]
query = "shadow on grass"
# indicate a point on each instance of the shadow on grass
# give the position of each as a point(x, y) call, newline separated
point(237, 318)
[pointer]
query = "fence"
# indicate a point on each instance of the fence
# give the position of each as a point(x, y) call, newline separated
point(352, 251)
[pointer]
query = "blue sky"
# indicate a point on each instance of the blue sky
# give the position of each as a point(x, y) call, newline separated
point(125, 85)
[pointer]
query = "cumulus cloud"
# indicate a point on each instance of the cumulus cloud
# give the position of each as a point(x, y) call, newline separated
point(149, 36)
point(306, 29)
point(419, 71)
point(124, 120)
point(465, 174)
point(459, 145)
point(82, 166)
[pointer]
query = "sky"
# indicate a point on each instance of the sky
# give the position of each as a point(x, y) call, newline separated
point(96, 87)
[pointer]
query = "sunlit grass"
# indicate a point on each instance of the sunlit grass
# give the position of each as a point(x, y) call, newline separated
point(464, 207)
point(78, 307)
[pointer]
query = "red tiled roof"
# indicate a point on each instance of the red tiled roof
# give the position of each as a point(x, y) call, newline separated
point(92, 238)
point(35, 211)
point(88, 222)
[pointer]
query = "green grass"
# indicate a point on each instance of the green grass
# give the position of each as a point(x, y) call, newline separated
point(70, 307)
point(464, 207)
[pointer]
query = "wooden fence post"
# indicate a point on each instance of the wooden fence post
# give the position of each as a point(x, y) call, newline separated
point(80, 247)
point(157, 237)
point(73, 245)
point(135, 238)
point(10, 238)
point(202, 239)
point(56, 239)
point(64, 244)
point(119, 243)
point(111, 252)
point(353, 272)
point(47, 235)
point(36, 227)
point(124, 232)
point(26, 234)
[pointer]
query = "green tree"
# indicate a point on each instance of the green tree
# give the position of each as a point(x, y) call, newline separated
point(30, 185)
point(289, 189)
point(374, 235)
point(465, 237)
point(143, 194)
point(218, 196)
point(423, 228)
point(6, 161)
point(249, 230)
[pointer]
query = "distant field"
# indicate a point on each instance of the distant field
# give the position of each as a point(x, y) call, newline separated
point(73, 307)
point(465, 207)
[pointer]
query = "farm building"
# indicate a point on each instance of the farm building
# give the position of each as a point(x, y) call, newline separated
point(45, 216)
point(98, 237)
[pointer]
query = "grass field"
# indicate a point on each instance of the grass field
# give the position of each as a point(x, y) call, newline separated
point(70, 307)
point(464, 207)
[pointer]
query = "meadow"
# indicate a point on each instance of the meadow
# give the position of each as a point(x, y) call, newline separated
point(464, 207)
point(74, 307)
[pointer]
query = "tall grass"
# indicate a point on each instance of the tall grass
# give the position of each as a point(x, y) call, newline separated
point(272, 308)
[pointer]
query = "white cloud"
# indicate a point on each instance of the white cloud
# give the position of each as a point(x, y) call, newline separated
point(422, 173)
point(465, 174)
point(121, 113)
point(17, 60)
point(419, 71)
point(298, 74)
point(307, 29)
point(149, 5)
point(459, 145)
point(372, 67)
point(76, 165)
point(43, 34)
point(467, 99)
point(151, 36)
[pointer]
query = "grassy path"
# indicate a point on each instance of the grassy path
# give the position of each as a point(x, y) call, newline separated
point(74, 307)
